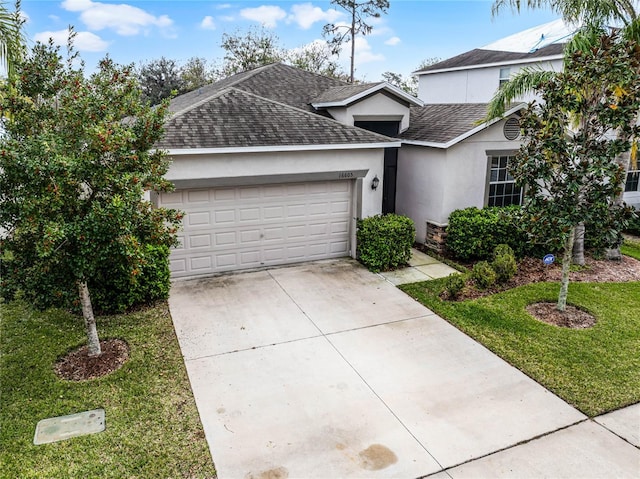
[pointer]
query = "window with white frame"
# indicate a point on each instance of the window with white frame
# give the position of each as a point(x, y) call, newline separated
point(505, 73)
point(503, 190)
point(633, 179)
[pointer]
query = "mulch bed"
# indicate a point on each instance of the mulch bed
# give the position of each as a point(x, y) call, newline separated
point(571, 317)
point(78, 366)
point(532, 270)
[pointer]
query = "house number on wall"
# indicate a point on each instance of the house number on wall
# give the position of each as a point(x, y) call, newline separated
point(347, 174)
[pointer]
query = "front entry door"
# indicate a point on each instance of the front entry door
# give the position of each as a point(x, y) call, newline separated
point(391, 129)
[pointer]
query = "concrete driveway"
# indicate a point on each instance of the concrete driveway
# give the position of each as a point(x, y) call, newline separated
point(324, 370)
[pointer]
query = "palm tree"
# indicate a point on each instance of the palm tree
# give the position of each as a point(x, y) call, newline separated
point(591, 18)
point(12, 42)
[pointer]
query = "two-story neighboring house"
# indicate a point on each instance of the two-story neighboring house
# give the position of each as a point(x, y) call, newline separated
point(447, 161)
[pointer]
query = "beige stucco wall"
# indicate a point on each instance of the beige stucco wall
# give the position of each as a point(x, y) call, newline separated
point(433, 182)
point(379, 107)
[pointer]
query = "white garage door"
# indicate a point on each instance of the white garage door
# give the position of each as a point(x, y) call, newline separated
point(236, 228)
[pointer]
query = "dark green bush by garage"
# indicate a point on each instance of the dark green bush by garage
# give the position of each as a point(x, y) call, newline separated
point(474, 233)
point(385, 241)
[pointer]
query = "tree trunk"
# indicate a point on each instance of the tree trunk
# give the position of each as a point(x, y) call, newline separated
point(90, 322)
point(623, 160)
point(566, 264)
point(353, 44)
point(578, 245)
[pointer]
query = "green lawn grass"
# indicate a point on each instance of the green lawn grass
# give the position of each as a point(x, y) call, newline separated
point(596, 370)
point(152, 425)
point(631, 248)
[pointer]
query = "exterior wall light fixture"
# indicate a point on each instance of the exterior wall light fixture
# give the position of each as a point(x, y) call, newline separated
point(375, 182)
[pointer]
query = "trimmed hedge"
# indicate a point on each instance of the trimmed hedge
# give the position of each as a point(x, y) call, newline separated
point(474, 233)
point(385, 241)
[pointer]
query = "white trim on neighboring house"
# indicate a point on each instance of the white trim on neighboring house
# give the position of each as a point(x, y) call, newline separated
point(382, 86)
point(518, 61)
point(467, 134)
point(267, 149)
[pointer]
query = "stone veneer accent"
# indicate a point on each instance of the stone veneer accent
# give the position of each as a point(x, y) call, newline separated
point(436, 235)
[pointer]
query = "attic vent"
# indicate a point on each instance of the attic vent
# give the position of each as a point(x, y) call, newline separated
point(511, 129)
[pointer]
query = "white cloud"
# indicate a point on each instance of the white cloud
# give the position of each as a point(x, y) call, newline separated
point(83, 41)
point(305, 15)
point(364, 52)
point(124, 19)
point(207, 23)
point(393, 41)
point(223, 6)
point(266, 15)
point(55, 18)
point(24, 17)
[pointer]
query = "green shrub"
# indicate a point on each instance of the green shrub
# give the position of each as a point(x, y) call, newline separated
point(453, 284)
point(504, 263)
point(634, 224)
point(385, 241)
point(483, 275)
point(474, 233)
point(113, 289)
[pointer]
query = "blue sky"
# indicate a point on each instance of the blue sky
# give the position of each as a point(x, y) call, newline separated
point(136, 31)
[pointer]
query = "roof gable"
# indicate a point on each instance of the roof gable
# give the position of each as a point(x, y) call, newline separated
point(443, 125)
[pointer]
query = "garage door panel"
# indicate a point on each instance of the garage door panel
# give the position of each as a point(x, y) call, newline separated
point(200, 241)
point(228, 228)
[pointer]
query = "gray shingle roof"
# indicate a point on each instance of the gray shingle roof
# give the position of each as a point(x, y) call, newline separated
point(343, 92)
point(232, 117)
point(442, 123)
point(282, 83)
point(485, 57)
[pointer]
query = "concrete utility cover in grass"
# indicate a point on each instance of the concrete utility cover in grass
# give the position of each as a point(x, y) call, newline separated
point(64, 427)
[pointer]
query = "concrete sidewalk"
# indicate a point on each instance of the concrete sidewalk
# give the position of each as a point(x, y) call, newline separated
point(421, 267)
point(324, 370)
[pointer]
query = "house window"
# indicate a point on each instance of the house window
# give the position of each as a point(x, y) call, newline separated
point(633, 178)
point(503, 190)
point(505, 73)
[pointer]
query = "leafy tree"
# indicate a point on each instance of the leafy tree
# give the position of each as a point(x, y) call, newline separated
point(195, 74)
point(593, 16)
point(409, 84)
point(316, 57)
point(250, 50)
point(12, 43)
point(76, 157)
point(159, 79)
point(569, 170)
point(359, 11)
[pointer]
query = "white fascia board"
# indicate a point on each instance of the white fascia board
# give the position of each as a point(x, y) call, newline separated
point(382, 86)
point(268, 149)
point(467, 134)
point(489, 65)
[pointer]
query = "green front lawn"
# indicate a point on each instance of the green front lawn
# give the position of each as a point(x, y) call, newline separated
point(152, 425)
point(631, 248)
point(596, 370)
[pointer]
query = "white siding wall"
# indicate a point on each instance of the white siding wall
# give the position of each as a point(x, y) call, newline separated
point(477, 85)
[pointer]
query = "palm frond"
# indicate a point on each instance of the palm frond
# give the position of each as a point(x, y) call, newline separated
point(11, 37)
point(524, 82)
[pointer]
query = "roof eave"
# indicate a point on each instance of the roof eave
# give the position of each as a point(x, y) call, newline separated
point(382, 86)
point(464, 136)
point(278, 148)
point(489, 65)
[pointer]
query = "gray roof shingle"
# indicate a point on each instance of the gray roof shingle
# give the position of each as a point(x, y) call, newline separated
point(442, 123)
point(343, 92)
point(232, 117)
point(479, 57)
